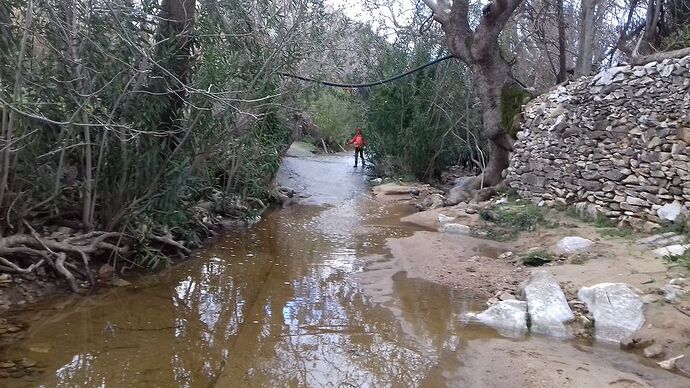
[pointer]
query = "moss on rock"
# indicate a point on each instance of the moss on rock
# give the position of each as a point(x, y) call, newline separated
point(512, 99)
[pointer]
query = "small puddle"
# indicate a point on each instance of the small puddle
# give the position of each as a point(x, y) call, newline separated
point(288, 303)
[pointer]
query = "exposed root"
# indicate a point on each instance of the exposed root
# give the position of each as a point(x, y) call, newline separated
point(70, 256)
point(9, 266)
point(168, 240)
point(60, 267)
point(57, 253)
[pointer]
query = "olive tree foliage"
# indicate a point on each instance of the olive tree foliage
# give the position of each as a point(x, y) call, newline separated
point(119, 116)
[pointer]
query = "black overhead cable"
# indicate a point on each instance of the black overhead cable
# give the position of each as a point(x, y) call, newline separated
point(369, 84)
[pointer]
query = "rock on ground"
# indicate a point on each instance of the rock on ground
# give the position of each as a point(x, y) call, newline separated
point(444, 219)
point(662, 240)
point(455, 229)
point(301, 149)
point(670, 211)
point(394, 189)
point(671, 250)
point(618, 312)
point(573, 244)
point(546, 304)
point(457, 195)
point(509, 317)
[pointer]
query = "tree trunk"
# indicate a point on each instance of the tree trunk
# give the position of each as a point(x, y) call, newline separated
point(479, 49)
point(5, 30)
point(649, 40)
point(492, 78)
point(8, 115)
point(175, 52)
point(562, 70)
point(586, 41)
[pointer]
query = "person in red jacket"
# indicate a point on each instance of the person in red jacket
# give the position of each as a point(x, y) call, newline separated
point(359, 143)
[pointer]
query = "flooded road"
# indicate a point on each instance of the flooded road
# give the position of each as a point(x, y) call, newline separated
point(292, 302)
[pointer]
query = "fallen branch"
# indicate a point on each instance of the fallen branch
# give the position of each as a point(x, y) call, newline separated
point(660, 56)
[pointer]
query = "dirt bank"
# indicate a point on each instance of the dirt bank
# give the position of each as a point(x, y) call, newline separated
point(462, 262)
point(542, 363)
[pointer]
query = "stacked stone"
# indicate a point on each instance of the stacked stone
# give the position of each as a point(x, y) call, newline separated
point(615, 144)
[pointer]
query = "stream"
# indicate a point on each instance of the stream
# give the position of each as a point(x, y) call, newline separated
point(290, 302)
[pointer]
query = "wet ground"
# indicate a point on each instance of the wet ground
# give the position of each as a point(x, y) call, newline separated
point(291, 302)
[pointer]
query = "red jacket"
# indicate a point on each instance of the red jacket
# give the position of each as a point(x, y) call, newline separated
point(358, 140)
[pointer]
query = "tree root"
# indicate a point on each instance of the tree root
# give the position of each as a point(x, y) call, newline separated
point(56, 252)
point(9, 266)
point(60, 267)
point(70, 258)
point(168, 240)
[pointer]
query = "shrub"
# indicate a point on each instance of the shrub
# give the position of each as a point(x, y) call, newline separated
point(510, 219)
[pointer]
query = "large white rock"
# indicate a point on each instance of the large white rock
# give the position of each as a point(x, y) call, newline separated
point(618, 312)
point(608, 76)
point(546, 304)
point(453, 228)
point(671, 250)
point(444, 219)
point(509, 317)
point(670, 211)
point(573, 244)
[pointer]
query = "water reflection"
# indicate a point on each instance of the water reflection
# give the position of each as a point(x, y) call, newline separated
point(309, 297)
point(278, 306)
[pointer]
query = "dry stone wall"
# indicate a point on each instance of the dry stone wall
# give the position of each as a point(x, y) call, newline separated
point(614, 144)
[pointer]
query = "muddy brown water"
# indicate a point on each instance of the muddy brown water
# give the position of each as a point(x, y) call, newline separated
point(282, 304)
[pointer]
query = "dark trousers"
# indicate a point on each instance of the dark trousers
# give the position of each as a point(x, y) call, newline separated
point(360, 151)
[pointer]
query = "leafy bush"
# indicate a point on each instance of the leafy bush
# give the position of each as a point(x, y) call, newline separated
point(510, 219)
point(679, 39)
point(520, 217)
point(337, 113)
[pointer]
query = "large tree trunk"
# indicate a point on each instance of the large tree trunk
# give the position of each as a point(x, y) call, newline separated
point(479, 49)
point(586, 41)
point(562, 70)
point(492, 78)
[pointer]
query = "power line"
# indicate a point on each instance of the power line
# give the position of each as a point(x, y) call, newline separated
point(368, 84)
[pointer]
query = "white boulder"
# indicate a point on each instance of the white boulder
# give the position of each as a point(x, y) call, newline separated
point(455, 229)
point(618, 312)
point(671, 250)
point(670, 211)
point(509, 317)
point(444, 219)
point(546, 304)
point(573, 244)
